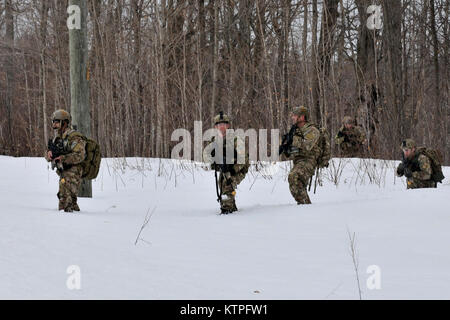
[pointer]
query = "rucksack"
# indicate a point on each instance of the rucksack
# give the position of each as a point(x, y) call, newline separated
point(436, 163)
point(325, 148)
point(91, 162)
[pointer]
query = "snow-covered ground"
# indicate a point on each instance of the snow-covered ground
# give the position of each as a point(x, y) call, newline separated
point(270, 249)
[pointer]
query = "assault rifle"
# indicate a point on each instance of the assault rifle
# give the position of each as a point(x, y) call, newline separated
point(286, 142)
point(224, 168)
point(404, 168)
point(57, 149)
point(345, 136)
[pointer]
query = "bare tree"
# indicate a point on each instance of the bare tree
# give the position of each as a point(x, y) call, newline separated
point(154, 66)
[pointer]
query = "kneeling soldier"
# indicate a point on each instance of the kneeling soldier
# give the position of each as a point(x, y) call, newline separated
point(416, 167)
point(350, 139)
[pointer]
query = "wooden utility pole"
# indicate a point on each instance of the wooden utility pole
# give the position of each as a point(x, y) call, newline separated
point(9, 67)
point(79, 82)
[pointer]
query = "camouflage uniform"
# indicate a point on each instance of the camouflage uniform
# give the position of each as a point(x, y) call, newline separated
point(350, 141)
point(304, 152)
point(419, 167)
point(70, 176)
point(234, 172)
point(230, 180)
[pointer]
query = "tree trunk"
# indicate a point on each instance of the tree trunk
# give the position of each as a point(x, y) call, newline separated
point(215, 53)
point(366, 72)
point(392, 13)
point(325, 51)
point(9, 68)
point(43, 38)
point(79, 85)
point(439, 114)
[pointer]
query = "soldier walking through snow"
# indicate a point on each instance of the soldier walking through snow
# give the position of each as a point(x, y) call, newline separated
point(304, 150)
point(232, 171)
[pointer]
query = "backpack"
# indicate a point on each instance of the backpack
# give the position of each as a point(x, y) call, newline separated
point(436, 163)
point(91, 162)
point(325, 148)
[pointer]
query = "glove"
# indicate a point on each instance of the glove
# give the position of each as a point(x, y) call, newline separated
point(401, 169)
point(340, 134)
point(408, 173)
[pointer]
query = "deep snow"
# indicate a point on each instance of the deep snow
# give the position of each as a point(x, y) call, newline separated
point(270, 249)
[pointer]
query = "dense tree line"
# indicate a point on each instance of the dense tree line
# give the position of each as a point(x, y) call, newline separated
point(155, 66)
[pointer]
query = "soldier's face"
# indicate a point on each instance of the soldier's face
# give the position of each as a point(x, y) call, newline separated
point(222, 127)
point(56, 124)
point(348, 126)
point(297, 119)
point(408, 153)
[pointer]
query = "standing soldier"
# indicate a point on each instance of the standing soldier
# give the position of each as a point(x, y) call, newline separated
point(304, 150)
point(417, 166)
point(231, 171)
point(66, 151)
point(350, 139)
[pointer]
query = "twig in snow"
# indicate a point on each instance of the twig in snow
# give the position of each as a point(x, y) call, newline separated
point(146, 221)
point(354, 254)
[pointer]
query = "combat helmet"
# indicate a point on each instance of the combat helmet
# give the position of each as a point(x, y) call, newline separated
point(222, 118)
point(348, 120)
point(61, 115)
point(408, 144)
point(301, 111)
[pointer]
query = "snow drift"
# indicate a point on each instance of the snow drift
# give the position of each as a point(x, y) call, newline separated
point(270, 249)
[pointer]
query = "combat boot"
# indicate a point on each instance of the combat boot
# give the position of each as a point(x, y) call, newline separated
point(305, 201)
point(228, 210)
point(68, 209)
point(75, 206)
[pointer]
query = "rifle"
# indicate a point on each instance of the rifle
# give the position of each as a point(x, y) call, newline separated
point(345, 135)
point(286, 142)
point(409, 165)
point(317, 178)
point(315, 181)
point(225, 170)
point(57, 149)
point(219, 193)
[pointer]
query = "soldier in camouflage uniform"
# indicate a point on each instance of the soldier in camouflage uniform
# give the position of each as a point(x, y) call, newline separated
point(68, 164)
point(416, 167)
point(231, 171)
point(304, 152)
point(350, 139)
